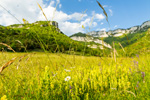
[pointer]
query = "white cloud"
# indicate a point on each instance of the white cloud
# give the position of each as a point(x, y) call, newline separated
point(86, 22)
point(20, 9)
point(28, 9)
point(52, 3)
point(77, 16)
point(115, 26)
point(71, 28)
point(58, 1)
point(105, 6)
point(94, 24)
point(60, 5)
point(97, 16)
point(103, 29)
point(111, 12)
point(102, 23)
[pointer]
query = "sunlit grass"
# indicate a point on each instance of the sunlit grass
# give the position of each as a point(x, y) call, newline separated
point(74, 77)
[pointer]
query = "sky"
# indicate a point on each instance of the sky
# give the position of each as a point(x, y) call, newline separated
point(72, 15)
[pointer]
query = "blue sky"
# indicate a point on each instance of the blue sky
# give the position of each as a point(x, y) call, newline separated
point(121, 13)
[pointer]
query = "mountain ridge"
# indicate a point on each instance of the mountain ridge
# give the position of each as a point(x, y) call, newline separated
point(119, 35)
point(119, 31)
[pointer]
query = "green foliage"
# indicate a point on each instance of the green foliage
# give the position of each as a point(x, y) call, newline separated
point(141, 46)
point(79, 34)
point(125, 40)
point(40, 36)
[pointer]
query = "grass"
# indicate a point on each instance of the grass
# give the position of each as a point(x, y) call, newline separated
point(47, 76)
point(36, 77)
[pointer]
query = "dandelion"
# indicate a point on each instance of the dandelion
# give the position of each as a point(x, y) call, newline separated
point(4, 97)
point(67, 78)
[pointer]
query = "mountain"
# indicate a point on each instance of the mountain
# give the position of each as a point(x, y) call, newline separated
point(119, 32)
point(124, 36)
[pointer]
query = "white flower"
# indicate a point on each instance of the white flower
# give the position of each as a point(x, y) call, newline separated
point(67, 70)
point(67, 78)
point(54, 75)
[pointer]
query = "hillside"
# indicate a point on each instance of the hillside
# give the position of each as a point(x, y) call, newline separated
point(141, 46)
point(40, 35)
point(125, 37)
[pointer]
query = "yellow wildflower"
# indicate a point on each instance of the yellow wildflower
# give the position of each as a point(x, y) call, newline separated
point(4, 97)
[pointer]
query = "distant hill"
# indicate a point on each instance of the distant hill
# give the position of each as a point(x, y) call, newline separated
point(123, 36)
point(79, 34)
point(132, 39)
point(41, 35)
point(141, 46)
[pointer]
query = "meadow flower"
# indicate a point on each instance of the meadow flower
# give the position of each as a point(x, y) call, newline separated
point(4, 97)
point(136, 63)
point(143, 76)
point(137, 55)
point(67, 78)
point(67, 70)
point(72, 67)
point(54, 75)
point(70, 87)
point(137, 85)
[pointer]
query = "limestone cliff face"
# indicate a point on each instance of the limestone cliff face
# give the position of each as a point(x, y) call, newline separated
point(91, 39)
point(54, 23)
point(145, 25)
point(45, 23)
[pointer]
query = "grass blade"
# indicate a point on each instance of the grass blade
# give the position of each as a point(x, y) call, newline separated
point(103, 11)
point(8, 47)
point(7, 64)
point(42, 11)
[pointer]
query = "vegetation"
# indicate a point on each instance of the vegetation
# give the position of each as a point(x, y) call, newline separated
point(141, 46)
point(79, 34)
point(59, 73)
point(125, 40)
point(43, 76)
point(41, 36)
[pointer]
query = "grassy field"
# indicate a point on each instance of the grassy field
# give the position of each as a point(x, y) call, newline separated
point(46, 76)
point(57, 76)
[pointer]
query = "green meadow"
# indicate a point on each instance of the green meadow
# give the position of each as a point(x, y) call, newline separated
point(42, 63)
point(65, 77)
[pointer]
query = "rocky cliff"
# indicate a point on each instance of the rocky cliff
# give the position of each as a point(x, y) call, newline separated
point(91, 39)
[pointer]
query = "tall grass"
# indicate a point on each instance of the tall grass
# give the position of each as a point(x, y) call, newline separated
point(47, 76)
point(91, 78)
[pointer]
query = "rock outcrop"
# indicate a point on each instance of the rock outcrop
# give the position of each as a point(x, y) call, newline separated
point(91, 39)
